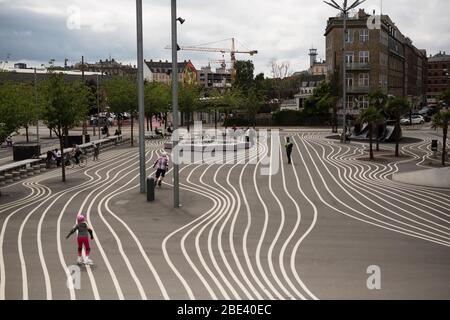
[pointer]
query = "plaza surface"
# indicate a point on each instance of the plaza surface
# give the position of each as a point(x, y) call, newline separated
point(311, 231)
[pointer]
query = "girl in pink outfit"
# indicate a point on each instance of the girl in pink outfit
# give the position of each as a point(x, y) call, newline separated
point(83, 239)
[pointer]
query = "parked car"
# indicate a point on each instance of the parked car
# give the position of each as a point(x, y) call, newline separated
point(416, 119)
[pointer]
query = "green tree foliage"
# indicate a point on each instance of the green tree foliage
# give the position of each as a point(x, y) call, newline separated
point(441, 120)
point(64, 105)
point(189, 100)
point(445, 97)
point(371, 116)
point(18, 108)
point(157, 99)
point(396, 108)
point(244, 75)
point(122, 97)
point(378, 98)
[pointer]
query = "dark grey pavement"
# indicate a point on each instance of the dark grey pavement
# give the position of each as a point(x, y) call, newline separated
point(311, 231)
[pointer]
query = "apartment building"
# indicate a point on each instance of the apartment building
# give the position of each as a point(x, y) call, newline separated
point(219, 78)
point(375, 58)
point(161, 71)
point(438, 76)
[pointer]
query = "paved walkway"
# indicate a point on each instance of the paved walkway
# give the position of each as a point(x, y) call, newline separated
point(310, 231)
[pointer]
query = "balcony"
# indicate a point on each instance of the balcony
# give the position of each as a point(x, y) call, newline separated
point(358, 66)
point(358, 89)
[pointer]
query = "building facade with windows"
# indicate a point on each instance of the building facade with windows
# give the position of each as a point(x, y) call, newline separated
point(219, 79)
point(161, 71)
point(438, 76)
point(374, 58)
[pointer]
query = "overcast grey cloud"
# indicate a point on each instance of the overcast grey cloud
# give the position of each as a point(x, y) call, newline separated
point(38, 31)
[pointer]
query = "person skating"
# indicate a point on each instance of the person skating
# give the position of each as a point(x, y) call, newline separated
point(162, 164)
point(83, 239)
point(289, 146)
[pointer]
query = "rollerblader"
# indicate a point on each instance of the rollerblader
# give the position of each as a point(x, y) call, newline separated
point(83, 239)
point(162, 165)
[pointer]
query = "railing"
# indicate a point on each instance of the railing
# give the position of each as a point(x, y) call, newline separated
point(358, 66)
point(358, 89)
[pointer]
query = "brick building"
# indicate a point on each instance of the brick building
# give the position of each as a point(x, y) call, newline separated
point(109, 67)
point(438, 76)
point(375, 58)
point(161, 71)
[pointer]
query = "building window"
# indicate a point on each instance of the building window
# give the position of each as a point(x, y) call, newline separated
point(364, 56)
point(364, 35)
point(364, 101)
point(364, 80)
point(349, 80)
point(349, 36)
point(349, 57)
point(350, 102)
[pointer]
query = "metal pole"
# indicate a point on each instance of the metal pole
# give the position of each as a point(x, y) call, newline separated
point(176, 177)
point(344, 71)
point(37, 108)
point(98, 111)
point(140, 58)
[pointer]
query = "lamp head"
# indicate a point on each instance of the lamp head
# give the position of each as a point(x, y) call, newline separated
point(181, 20)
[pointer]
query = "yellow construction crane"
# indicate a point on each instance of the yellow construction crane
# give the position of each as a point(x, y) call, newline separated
point(231, 51)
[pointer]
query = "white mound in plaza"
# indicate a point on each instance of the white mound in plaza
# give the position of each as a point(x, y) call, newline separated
point(436, 178)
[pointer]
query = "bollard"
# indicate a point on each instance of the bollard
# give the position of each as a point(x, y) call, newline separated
point(150, 189)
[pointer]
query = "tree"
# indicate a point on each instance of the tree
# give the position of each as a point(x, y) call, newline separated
point(396, 108)
point(252, 104)
point(157, 100)
point(244, 75)
point(441, 120)
point(189, 100)
point(10, 98)
point(64, 105)
point(445, 97)
point(370, 116)
point(378, 99)
point(122, 97)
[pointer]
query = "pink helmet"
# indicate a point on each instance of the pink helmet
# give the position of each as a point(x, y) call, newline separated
point(80, 218)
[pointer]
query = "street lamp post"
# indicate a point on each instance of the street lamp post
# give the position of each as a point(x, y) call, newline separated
point(176, 172)
point(344, 9)
point(140, 58)
point(37, 108)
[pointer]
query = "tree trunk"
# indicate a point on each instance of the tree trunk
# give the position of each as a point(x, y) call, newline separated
point(151, 122)
point(378, 137)
point(444, 146)
point(148, 124)
point(188, 121)
point(371, 141)
point(397, 138)
point(165, 120)
point(132, 135)
point(26, 133)
point(50, 130)
point(63, 158)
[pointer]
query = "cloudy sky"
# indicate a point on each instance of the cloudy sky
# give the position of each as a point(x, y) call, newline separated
point(37, 31)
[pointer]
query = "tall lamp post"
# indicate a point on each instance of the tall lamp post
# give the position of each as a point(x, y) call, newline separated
point(140, 82)
point(175, 48)
point(344, 9)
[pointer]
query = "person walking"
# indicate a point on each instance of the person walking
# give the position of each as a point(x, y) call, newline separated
point(289, 146)
point(83, 239)
point(162, 165)
point(96, 151)
point(58, 157)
